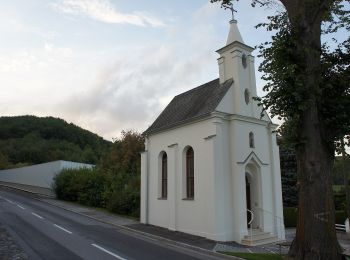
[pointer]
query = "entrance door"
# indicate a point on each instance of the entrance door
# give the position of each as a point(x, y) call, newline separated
point(249, 207)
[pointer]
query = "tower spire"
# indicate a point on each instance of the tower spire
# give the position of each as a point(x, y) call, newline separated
point(234, 34)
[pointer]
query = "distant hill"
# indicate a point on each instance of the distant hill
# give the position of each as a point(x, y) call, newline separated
point(26, 140)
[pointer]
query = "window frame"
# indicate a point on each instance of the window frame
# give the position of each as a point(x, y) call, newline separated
point(164, 176)
point(251, 140)
point(189, 173)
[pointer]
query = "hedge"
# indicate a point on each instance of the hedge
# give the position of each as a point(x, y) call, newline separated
point(119, 194)
point(290, 217)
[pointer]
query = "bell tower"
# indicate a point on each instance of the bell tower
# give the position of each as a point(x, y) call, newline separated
point(236, 62)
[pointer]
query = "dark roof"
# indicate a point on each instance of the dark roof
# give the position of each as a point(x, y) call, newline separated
point(191, 105)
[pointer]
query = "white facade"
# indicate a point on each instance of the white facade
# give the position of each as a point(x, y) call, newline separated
point(39, 175)
point(235, 153)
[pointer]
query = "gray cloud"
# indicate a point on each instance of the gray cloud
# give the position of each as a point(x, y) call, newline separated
point(132, 92)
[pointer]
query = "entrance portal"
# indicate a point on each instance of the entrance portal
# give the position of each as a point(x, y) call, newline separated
point(248, 199)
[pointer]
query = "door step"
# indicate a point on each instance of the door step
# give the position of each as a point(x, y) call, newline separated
point(258, 237)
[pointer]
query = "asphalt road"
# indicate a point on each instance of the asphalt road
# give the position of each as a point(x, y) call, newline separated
point(47, 232)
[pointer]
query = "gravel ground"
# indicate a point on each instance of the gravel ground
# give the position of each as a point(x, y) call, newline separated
point(9, 250)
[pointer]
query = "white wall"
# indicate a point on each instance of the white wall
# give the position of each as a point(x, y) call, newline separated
point(222, 155)
point(177, 213)
point(267, 205)
point(40, 175)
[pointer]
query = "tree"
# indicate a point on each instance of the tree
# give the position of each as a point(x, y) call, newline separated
point(4, 163)
point(308, 87)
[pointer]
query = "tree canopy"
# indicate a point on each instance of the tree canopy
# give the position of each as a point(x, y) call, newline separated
point(308, 87)
point(26, 140)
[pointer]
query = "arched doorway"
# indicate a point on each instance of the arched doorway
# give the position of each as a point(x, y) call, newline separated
point(248, 198)
point(253, 194)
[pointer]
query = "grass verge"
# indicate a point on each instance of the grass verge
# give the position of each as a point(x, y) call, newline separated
point(255, 256)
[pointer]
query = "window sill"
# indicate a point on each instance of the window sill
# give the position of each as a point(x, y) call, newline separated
point(188, 199)
point(162, 198)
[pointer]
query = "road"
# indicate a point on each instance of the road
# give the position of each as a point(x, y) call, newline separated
point(47, 232)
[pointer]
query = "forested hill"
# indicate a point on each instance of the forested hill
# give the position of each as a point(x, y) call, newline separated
point(26, 140)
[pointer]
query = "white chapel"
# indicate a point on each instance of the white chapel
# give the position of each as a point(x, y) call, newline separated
point(211, 162)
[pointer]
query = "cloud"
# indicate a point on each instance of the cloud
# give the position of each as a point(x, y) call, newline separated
point(124, 88)
point(15, 25)
point(104, 11)
point(130, 93)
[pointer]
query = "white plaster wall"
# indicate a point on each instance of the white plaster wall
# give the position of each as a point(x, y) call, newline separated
point(230, 66)
point(241, 129)
point(144, 188)
point(40, 175)
point(221, 149)
point(222, 179)
point(191, 216)
point(268, 204)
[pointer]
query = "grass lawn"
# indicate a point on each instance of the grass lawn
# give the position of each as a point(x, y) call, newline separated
point(255, 256)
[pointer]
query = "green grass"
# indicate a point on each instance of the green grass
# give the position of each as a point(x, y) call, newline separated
point(255, 256)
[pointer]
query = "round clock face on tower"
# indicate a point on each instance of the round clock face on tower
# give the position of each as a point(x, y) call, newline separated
point(244, 60)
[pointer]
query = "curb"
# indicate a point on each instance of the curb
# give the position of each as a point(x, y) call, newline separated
point(28, 191)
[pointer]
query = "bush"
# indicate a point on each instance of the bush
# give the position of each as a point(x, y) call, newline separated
point(82, 185)
point(340, 217)
point(340, 200)
point(290, 217)
point(123, 194)
point(114, 184)
point(291, 214)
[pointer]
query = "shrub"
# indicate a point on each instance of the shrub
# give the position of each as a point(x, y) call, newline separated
point(290, 217)
point(291, 214)
point(123, 194)
point(114, 184)
point(340, 216)
point(82, 185)
point(340, 200)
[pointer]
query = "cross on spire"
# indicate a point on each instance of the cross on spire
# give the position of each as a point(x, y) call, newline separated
point(233, 11)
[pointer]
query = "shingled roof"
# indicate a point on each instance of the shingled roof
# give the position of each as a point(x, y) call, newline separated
point(193, 104)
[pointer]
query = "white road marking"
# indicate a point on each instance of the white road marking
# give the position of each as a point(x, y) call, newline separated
point(20, 207)
point(9, 201)
point(38, 216)
point(65, 230)
point(108, 252)
point(250, 251)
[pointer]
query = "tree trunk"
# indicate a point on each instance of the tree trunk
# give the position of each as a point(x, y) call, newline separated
point(346, 179)
point(315, 235)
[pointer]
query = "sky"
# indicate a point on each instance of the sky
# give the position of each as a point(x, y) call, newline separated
point(112, 65)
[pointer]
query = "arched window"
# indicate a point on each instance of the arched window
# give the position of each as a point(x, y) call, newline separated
point(190, 173)
point(251, 140)
point(246, 96)
point(244, 61)
point(164, 176)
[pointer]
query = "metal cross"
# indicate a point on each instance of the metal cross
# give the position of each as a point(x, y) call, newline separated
point(233, 11)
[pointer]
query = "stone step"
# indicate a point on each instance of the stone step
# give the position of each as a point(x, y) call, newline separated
point(258, 242)
point(258, 236)
point(255, 231)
